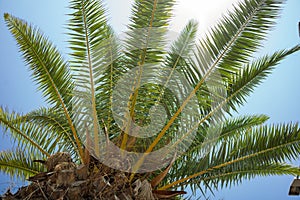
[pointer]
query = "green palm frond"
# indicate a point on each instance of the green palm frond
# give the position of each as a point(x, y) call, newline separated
point(228, 128)
point(18, 163)
point(106, 83)
point(48, 68)
point(248, 78)
point(259, 153)
point(236, 176)
point(145, 40)
point(264, 145)
point(241, 123)
point(53, 120)
point(30, 136)
point(252, 21)
point(232, 43)
point(236, 37)
point(145, 44)
point(93, 45)
point(181, 51)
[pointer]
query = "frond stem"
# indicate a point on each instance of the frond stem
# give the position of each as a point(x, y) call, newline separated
point(95, 117)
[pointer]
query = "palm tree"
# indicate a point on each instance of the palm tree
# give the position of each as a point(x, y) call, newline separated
point(144, 119)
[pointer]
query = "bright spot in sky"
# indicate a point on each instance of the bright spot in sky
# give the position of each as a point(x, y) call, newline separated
point(205, 12)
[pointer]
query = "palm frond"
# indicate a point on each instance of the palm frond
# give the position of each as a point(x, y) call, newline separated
point(248, 78)
point(236, 37)
point(145, 39)
point(228, 129)
point(265, 145)
point(241, 123)
point(144, 47)
point(91, 42)
point(28, 135)
point(49, 69)
point(254, 19)
point(18, 163)
point(54, 120)
point(175, 66)
point(180, 52)
point(106, 83)
point(234, 176)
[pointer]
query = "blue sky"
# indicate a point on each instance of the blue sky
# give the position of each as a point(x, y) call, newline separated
point(277, 97)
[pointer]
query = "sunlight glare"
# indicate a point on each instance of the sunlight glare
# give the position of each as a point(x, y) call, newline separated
point(205, 12)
